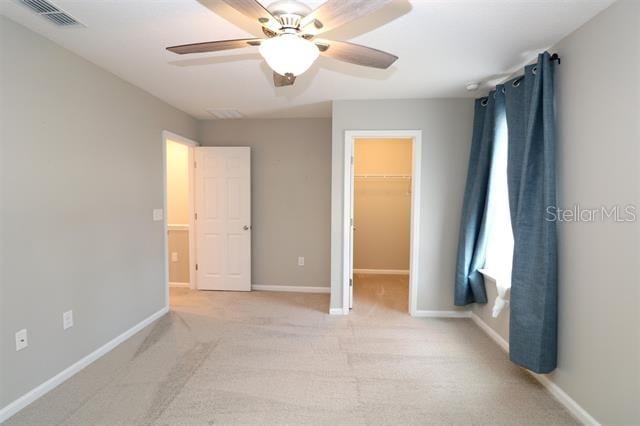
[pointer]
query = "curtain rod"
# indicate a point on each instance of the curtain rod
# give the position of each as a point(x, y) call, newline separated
point(552, 58)
point(555, 57)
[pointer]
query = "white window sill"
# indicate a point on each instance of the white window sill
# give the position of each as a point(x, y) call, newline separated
point(490, 275)
point(495, 278)
point(502, 299)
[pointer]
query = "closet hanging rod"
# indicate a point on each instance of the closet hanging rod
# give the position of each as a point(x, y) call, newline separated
point(383, 176)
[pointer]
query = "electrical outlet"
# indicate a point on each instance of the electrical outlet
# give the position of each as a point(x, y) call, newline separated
point(21, 339)
point(174, 256)
point(157, 214)
point(67, 320)
point(300, 261)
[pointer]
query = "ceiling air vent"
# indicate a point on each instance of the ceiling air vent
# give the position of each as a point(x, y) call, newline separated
point(224, 113)
point(52, 13)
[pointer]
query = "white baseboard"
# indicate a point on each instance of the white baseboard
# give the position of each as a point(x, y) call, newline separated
point(291, 288)
point(176, 284)
point(382, 271)
point(441, 314)
point(35, 393)
point(569, 403)
point(339, 311)
point(490, 331)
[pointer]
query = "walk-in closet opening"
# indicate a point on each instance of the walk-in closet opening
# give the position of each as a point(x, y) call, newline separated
point(382, 201)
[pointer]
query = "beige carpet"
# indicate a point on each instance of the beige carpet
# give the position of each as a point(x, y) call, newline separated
point(278, 358)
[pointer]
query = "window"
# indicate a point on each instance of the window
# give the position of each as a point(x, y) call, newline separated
point(499, 251)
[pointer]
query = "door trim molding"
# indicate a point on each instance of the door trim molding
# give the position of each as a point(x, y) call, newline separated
point(167, 135)
point(347, 179)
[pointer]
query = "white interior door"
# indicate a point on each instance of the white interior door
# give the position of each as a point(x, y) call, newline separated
point(223, 218)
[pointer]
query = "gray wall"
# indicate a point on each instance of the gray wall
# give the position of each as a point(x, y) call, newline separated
point(290, 195)
point(446, 137)
point(81, 173)
point(598, 109)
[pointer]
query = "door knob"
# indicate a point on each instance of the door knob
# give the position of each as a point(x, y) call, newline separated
point(246, 228)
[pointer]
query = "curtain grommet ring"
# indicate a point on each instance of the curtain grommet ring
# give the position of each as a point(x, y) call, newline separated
point(504, 90)
point(517, 82)
point(484, 101)
point(534, 70)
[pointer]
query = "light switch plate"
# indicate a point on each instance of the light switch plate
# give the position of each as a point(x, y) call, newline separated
point(300, 261)
point(21, 339)
point(174, 256)
point(157, 214)
point(67, 320)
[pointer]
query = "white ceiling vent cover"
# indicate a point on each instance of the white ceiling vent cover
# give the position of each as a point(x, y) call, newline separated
point(224, 113)
point(52, 13)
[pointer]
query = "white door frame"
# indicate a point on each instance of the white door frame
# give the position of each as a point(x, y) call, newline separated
point(349, 142)
point(167, 135)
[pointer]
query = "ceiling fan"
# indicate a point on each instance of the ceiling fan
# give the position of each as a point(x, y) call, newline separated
point(291, 27)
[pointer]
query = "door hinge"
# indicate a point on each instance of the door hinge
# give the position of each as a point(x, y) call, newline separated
point(350, 282)
point(351, 221)
point(352, 159)
point(195, 164)
point(195, 216)
point(196, 266)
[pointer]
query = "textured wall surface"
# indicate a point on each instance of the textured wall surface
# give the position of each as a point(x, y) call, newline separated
point(81, 174)
point(290, 195)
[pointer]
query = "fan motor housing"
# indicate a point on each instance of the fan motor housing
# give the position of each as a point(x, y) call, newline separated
point(289, 12)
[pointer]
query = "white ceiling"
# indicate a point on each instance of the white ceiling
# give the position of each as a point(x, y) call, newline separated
point(442, 45)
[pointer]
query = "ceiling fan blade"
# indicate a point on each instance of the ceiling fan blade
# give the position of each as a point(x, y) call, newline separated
point(335, 13)
point(254, 10)
point(214, 46)
point(355, 53)
point(282, 80)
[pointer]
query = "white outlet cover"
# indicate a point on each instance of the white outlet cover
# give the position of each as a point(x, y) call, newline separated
point(157, 214)
point(21, 339)
point(174, 256)
point(67, 320)
point(300, 261)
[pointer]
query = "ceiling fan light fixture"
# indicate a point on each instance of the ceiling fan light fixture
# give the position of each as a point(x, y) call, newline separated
point(289, 53)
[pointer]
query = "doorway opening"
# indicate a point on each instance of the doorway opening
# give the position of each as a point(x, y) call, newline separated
point(382, 181)
point(179, 208)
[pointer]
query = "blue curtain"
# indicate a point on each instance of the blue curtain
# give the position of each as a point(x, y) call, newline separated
point(531, 181)
point(475, 226)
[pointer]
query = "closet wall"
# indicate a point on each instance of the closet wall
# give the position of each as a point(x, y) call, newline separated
point(382, 204)
point(178, 211)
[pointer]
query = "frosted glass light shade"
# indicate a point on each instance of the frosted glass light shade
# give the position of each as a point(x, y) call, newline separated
point(289, 53)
